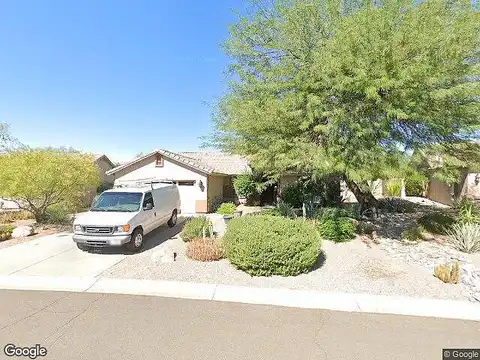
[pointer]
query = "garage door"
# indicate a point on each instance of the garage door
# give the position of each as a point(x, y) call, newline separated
point(187, 191)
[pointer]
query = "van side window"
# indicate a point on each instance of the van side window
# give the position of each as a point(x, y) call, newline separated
point(148, 199)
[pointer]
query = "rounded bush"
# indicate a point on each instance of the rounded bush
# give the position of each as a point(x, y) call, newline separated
point(227, 209)
point(194, 228)
point(269, 245)
point(337, 229)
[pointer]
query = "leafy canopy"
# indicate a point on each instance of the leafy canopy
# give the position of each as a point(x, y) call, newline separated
point(327, 86)
point(38, 179)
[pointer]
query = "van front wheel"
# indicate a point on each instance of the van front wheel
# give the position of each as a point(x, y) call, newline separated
point(173, 219)
point(136, 241)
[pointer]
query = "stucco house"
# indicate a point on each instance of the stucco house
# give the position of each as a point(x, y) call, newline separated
point(104, 164)
point(203, 178)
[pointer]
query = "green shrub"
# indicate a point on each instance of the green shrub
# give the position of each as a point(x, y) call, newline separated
point(436, 223)
point(270, 245)
point(245, 185)
point(468, 213)
point(227, 209)
point(57, 214)
point(337, 229)
point(415, 185)
point(6, 232)
point(292, 194)
point(194, 228)
point(331, 213)
point(393, 187)
point(270, 212)
point(413, 233)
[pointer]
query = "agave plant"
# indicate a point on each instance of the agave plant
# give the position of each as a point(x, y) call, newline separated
point(465, 237)
point(286, 210)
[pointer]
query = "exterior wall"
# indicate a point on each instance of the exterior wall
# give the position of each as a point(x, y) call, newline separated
point(470, 189)
point(440, 192)
point(348, 196)
point(228, 190)
point(171, 170)
point(284, 181)
point(104, 166)
point(215, 190)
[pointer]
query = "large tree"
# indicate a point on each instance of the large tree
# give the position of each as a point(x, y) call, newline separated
point(350, 88)
point(39, 179)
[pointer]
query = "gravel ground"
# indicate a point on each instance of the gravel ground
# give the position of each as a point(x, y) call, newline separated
point(350, 267)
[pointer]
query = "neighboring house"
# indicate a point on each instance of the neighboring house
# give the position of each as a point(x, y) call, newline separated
point(468, 186)
point(104, 164)
point(204, 179)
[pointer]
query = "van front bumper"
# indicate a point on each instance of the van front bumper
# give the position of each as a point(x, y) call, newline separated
point(94, 240)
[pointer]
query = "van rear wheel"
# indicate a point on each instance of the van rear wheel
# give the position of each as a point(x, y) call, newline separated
point(173, 219)
point(136, 241)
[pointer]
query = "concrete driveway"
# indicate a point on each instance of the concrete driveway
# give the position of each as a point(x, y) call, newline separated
point(58, 255)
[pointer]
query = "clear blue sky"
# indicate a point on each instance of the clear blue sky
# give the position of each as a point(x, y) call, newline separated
point(117, 77)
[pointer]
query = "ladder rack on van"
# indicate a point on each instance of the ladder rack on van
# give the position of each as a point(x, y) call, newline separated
point(139, 183)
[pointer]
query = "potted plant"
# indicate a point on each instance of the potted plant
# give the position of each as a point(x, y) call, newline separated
point(227, 210)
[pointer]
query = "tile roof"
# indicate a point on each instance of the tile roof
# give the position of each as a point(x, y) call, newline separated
point(206, 162)
point(220, 162)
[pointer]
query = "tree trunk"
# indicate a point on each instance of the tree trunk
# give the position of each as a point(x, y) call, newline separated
point(365, 198)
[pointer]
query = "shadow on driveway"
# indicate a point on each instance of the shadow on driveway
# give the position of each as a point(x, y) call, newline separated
point(151, 240)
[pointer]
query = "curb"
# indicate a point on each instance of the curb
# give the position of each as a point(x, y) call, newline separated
point(349, 302)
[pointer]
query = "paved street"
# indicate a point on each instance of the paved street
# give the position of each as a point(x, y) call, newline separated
point(106, 326)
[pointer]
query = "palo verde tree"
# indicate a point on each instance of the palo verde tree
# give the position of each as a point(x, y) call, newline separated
point(40, 178)
point(349, 88)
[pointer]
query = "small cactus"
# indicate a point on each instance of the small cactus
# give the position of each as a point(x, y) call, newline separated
point(448, 273)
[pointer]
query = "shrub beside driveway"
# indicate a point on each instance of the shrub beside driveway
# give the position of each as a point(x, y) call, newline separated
point(269, 245)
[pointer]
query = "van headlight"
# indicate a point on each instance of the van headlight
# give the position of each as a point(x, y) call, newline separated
point(122, 228)
point(77, 228)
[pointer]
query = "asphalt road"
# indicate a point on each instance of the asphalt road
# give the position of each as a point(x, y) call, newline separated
point(106, 326)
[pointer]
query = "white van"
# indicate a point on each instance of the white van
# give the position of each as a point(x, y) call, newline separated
point(123, 216)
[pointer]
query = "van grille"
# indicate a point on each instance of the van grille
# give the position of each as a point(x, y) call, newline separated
point(98, 230)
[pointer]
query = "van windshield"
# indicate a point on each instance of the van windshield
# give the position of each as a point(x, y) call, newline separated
point(118, 201)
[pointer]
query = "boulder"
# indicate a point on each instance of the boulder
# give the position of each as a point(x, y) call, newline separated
point(22, 231)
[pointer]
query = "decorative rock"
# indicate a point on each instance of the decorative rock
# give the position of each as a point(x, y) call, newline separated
point(430, 254)
point(22, 231)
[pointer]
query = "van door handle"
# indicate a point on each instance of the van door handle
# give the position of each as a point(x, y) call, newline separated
point(154, 214)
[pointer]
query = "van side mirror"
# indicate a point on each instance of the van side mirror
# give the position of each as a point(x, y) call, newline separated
point(148, 206)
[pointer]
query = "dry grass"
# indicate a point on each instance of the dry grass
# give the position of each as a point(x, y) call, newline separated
point(448, 273)
point(8, 217)
point(205, 249)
